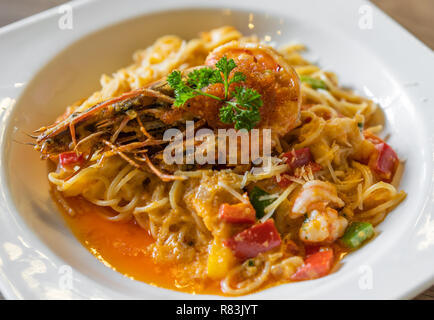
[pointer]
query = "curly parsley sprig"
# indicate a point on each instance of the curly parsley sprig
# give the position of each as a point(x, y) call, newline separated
point(241, 107)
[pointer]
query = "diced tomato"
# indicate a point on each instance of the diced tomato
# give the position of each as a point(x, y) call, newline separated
point(298, 158)
point(255, 240)
point(70, 159)
point(315, 266)
point(283, 181)
point(237, 213)
point(384, 161)
point(312, 249)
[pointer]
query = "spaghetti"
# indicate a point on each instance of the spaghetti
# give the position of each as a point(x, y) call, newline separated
point(228, 229)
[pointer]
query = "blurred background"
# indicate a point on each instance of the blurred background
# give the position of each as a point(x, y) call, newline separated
point(416, 16)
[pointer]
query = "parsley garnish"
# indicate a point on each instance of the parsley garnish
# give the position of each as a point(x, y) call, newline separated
point(241, 106)
point(225, 66)
point(197, 80)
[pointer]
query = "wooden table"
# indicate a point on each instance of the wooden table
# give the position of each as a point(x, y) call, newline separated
point(416, 16)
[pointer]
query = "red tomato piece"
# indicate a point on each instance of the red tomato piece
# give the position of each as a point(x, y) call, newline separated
point(237, 213)
point(384, 161)
point(298, 158)
point(255, 240)
point(311, 249)
point(69, 159)
point(315, 266)
point(284, 181)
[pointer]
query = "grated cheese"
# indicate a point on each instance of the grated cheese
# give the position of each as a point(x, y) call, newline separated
point(269, 210)
point(232, 191)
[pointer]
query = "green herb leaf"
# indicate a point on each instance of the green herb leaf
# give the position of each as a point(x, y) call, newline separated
point(225, 66)
point(182, 91)
point(227, 114)
point(182, 97)
point(248, 98)
point(175, 79)
point(314, 83)
point(242, 110)
point(197, 80)
point(203, 77)
point(258, 204)
point(237, 77)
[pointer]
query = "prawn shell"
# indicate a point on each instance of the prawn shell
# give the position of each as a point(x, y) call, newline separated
point(57, 136)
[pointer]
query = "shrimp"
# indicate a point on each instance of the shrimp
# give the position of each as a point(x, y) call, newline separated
point(323, 223)
point(137, 119)
point(266, 72)
point(322, 226)
point(316, 194)
point(106, 121)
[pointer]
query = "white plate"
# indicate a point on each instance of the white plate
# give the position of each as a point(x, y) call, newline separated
point(43, 68)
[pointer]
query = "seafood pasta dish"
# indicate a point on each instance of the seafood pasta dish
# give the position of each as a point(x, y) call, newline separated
point(221, 165)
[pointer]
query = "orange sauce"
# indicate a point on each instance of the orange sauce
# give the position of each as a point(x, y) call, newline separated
point(122, 246)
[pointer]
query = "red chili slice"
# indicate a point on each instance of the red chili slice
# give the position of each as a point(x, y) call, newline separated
point(257, 239)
